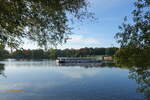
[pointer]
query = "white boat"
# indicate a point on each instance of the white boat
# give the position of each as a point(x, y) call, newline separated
point(77, 60)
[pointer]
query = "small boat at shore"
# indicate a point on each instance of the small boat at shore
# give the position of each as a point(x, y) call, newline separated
point(78, 60)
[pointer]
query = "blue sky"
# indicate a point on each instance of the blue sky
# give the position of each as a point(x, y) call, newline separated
point(110, 14)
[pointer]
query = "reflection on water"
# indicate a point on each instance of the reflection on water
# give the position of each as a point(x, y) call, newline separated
point(142, 77)
point(88, 65)
point(139, 71)
point(46, 80)
point(2, 68)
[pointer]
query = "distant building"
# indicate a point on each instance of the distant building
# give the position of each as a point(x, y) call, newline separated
point(107, 58)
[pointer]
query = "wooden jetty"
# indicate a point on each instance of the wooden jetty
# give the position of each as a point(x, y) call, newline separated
point(77, 60)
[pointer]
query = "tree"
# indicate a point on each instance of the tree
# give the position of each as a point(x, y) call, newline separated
point(4, 54)
point(136, 34)
point(2, 46)
point(18, 54)
point(51, 53)
point(43, 21)
point(130, 56)
point(38, 54)
point(134, 38)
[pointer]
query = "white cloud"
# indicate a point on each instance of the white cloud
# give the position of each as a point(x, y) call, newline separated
point(75, 41)
point(80, 41)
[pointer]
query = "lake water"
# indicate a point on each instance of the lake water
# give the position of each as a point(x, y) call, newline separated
point(45, 80)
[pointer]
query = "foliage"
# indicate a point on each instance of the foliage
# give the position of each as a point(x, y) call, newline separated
point(2, 46)
point(85, 52)
point(51, 54)
point(136, 34)
point(3, 53)
point(130, 56)
point(54, 53)
point(43, 21)
point(134, 38)
point(28, 54)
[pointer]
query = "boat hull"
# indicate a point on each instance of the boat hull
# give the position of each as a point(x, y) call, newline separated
point(78, 60)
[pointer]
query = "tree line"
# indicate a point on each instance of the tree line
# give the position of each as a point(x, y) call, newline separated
point(54, 53)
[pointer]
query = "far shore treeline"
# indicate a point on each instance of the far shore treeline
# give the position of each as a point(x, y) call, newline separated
point(54, 53)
